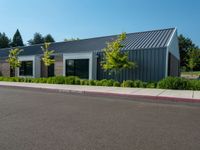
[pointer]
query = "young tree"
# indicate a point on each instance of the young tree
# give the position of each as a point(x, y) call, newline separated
point(193, 59)
point(13, 59)
point(49, 39)
point(185, 44)
point(116, 60)
point(17, 39)
point(47, 55)
point(4, 41)
point(37, 39)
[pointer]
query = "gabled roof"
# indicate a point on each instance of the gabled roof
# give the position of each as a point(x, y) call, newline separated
point(138, 40)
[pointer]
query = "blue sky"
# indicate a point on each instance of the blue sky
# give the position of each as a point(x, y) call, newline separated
point(92, 18)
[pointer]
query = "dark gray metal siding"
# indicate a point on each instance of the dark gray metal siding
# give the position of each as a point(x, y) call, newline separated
point(151, 66)
point(173, 66)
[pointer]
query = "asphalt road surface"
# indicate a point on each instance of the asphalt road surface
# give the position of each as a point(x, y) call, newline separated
point(42, 120)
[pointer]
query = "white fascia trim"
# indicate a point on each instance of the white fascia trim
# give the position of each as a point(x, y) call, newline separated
point(167, 51)
point(89, 55)
point(169, 42)
point(27, 58)
point(166, 67)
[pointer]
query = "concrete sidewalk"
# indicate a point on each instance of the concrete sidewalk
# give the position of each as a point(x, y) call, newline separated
point(182, 95)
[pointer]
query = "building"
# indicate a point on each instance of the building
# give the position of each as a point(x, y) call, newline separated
point(155, 52)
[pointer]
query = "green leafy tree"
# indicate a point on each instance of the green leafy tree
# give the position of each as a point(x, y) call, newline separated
point(115, 60)
point(185, 44)
point(13, 59)
point(71, 39)
point(47, 55)
point(37, 39)
point(17, 39)
point(193, 59)
point(4, 41)
point(49, 39)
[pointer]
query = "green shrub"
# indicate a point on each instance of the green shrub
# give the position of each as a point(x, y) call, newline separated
point(127, 83)
point(69, 80)
point(107, 82)
point(98, 83)
point(77, 81)
point(167, 83)
point(151, 85)
point(27, 80)
point(37, 80)
point(40, 80)
point(173, 83)
point(144, 85)
point(92, 82)
point(103, 82)
point(116, 84)
point(14, 79)
point(138, 83)
point(193, 85)
point(84, 82)
point(49, 80)
point(72, 80)
point(58, 80)
point(7, 79)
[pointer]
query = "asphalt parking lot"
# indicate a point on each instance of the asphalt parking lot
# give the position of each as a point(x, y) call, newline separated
point(42, 120)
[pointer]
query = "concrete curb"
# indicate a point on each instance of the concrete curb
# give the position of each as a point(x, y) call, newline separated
point(154, 98)
point(129, 96)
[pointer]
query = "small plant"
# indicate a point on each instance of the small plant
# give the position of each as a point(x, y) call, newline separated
point(84, 82)
point(13, 59)
point(193, 85)
point(72, 80)
point(58, 80)
point(92, 82)
point(173, 83)
point(47, 55)
point(127, 83)
point(77, 81)
point(98, 83)
point(106, 82)
point(116, 84)
point(115, 60)
point(151, 85)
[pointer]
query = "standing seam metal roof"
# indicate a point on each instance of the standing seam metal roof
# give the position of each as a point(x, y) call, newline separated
point(138, 40)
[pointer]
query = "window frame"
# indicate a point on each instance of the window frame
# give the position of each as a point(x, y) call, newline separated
point(23, 68)
point(75, 70)
point(84, 55)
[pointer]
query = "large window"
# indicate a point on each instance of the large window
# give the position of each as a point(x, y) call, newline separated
point(77, 67)
point(26, 68)
point(51, 70)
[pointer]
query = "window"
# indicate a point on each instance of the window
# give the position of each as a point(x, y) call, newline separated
point(77, 67)
point(26, 68)
point(50, 69)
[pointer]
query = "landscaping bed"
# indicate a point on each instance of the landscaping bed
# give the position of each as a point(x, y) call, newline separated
point(167, 83)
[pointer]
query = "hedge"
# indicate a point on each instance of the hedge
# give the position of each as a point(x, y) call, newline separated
point(179, 84)
point(167, 83)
